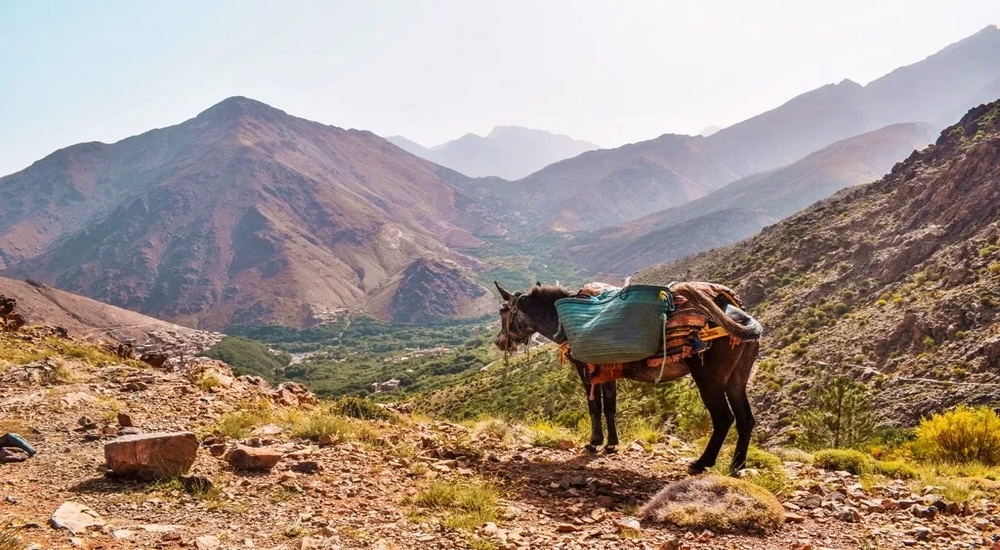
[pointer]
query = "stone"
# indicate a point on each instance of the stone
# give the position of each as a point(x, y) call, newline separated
point(628, 523)
point(793, 518)
point(218, 449)
point(76, 518)
point(253, 459)
point(566, 528)
point(152, 456)
point(307, 467)
point(207, 542)
point(125, 420)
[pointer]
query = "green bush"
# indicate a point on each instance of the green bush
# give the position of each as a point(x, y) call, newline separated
point(247, 357)
point(362, 409)
point(859, 463)
point(962, 435)
point(838, 415)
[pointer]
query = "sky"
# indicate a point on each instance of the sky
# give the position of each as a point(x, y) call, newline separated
point(603, 71)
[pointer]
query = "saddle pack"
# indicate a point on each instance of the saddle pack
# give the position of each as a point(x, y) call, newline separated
point(686, 331)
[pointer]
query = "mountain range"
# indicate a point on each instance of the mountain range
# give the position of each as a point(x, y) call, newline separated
point(241, 215)
point(613, 186)
point(747, 205)
point(509, 152)
point(894, 282)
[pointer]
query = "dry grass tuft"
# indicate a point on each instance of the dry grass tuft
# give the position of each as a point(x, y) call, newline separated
point(467, 505)
point(722, 504)
point(9, 539)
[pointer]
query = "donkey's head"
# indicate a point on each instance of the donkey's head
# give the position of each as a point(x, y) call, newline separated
point(524, 313)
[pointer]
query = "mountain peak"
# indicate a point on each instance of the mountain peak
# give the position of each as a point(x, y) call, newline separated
point(239, 106)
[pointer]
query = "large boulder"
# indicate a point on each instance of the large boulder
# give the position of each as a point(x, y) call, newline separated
point(253, 459)
point(152, 456)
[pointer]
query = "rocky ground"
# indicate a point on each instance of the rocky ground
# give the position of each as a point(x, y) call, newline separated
point(363, 487)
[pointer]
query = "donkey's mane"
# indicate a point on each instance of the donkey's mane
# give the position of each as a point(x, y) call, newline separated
point(548, 292)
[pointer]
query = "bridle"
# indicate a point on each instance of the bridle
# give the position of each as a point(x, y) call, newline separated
point(508, 317)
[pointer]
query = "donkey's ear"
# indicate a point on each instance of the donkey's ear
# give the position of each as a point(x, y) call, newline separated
point(538, 283)
point(503, 293)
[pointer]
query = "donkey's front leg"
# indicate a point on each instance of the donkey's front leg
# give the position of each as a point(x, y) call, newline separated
point(594, 400)
point(609, 391)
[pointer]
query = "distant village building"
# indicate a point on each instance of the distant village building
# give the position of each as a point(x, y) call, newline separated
point(387, 386)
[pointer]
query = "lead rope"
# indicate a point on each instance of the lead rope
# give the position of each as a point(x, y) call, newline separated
point(663, 363)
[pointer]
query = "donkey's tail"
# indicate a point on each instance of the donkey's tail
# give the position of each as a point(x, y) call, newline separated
point(751, 330)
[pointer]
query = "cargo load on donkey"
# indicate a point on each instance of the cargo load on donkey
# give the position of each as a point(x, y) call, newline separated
point(649, 334)
point(608, 327)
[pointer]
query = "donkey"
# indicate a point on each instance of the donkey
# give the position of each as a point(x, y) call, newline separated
point(720, 373)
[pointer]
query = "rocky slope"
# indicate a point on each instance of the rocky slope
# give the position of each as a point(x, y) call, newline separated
point(744, 207)
point(244, 214)
point(428, 291)
point(574, 194)
point(894, 282)
point(509, 152)
point(274, 468)
point(82, 317)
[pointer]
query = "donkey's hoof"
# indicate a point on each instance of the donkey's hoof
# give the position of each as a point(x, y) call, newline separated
point(591, 449)
point(611, 450)
point(695, 469)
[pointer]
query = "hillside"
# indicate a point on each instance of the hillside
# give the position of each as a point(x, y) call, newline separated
point(428, 291)
point(243, 214)
point(610, 187)
point(82, 317)
point(894, 283)
point(744, 207)
point(508, 152)
point(236, 462)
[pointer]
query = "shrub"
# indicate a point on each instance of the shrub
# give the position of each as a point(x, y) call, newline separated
point(362, 409)
point(468, 505)
point(845, 460)
point(495, 428)
point(962, 435)
point(719, 503)
point(838, 415)
point(239, 423)
point(319, 423)
point(546, 434)
point(859, 463)
point(208, 380)
point(248, 357)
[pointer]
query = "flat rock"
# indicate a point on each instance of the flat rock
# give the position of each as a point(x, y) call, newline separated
point(207, 542)
point(151, 456)
point(253, 459)
point(76, 518)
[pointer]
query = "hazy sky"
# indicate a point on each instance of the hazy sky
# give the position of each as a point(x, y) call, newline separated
point(608, 72)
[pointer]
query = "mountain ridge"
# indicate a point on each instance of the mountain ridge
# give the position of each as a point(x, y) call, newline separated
point(755, 201)
point(214, 221)
point(509, 152)
point(934, 90)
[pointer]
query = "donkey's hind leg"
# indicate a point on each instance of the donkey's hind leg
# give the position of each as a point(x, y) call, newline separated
point(736, 392)
point(594, 401)
point(713, 395)
point(609, 391)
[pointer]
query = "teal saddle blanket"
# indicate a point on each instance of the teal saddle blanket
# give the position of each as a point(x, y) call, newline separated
point(617, 326)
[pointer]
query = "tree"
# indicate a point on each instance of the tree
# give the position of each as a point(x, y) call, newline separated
point(839, 415)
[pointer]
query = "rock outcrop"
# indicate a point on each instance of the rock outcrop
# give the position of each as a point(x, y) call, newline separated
point(152, 456)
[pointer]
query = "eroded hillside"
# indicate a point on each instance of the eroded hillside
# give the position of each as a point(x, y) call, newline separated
point(894, 283)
